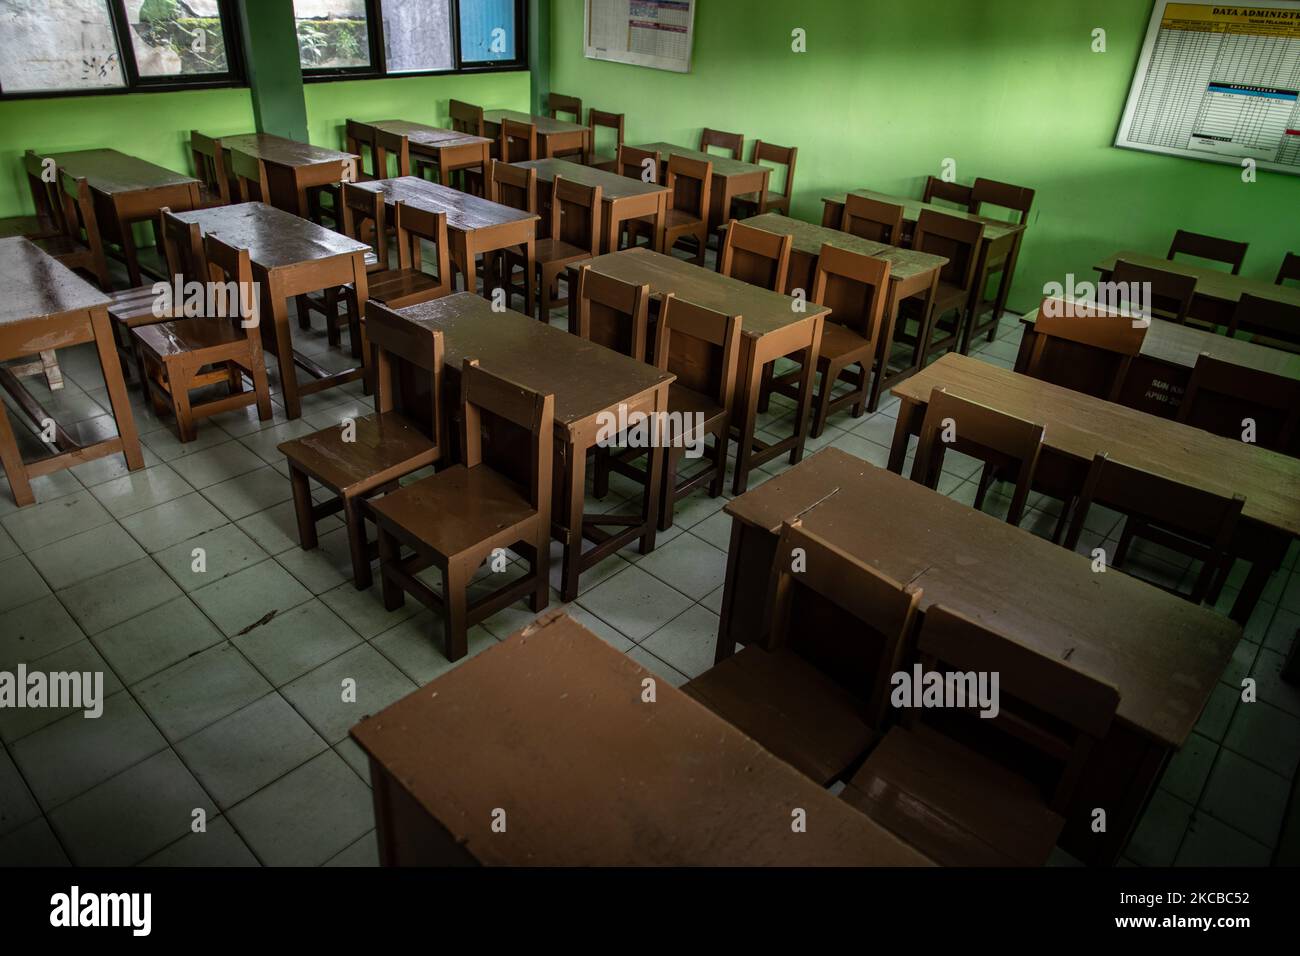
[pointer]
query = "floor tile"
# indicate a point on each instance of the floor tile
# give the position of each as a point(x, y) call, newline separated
point(45, 522)
point(688, 642)
point(689, 564)
point(635, 602)
point(368, 681)
point(32, 630)
point(657, 667)
point(364, 611)
point(200, 690)
point(251, 597)
point(1267, 735)
point(17, 805)
point(275, 529)
point(606, 632)
point(224, 551)
point(1246, 796)
point(178, 520)
point(20, 583)
point(1272, 689)
point(417, 646)
point(33, 844)
point(118, 595)
point(165, 444)
point(156, 639)
point(1211, 843)
point(1213, 722)
point(324, 567)
point(215, 464)
point(1189, 769)
point(140, 490)
point(264, 443)
point(295, 641)
point(219, 845)
point(85, 555)
point(249, 493)
point(79, 657)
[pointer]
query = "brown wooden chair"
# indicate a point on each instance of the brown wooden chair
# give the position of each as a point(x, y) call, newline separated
point(637, 164)
point(516, 187)
point(409, 283)
point(598, 120)
point(1267, 322)
point(517, 142)
point(1170, 293)
point(933, 782)
point(1289, 271)
point(572, 234)
point(689, 182)
point(955, 194)
point(178, 356)
point(360, 139)
point(733, 143)
point(1084, 348)
point(363, 218)
point(1200, 246)
point(1018, 200)
point(80, 246)
point(872, 219)
point(752, 204)
point(1195, 523)
point(456, 519)
point(250, 174)
point(755, 256)
point(557, 103)
point(468, 118)
point(611, 312)
point(1222, 398)
point(395, 146)
point(816, 693)
point(47, 220)
point(209, 159)
point(367, 457)
point(1008, 446)
point(950, 313)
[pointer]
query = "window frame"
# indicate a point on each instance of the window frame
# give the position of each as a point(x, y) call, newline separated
point(378, 68)
point(234, 76)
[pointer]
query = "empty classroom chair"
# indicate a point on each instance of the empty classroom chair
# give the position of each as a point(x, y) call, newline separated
point(1233, 401)
point(1018, 200)
point(688, 182)
point(1289, 271)
point(817, 695)
point(250, 175)
point(1008, 446)
point(569, 108)
point(468, 118)
point(80, 246)
point(210, 170)
point(929, 784)
point(410, 283)
point(517, 142)
point(612, 313)
point(572, 234)
point(1088, 351)
point(365, 219)
point(392, 146)
point(1195, 244)
point(492, 500)
point(369, 457)
point(360, 141)
point(598, 120)
point(642, 164)
point(955, 194)
point(752, 204)
point(47, 222)
point(755, 256)
point(1267, 322)
point(733, 143)
point(872, 219)
point(516, 187)
point(1170, 293)
point(1195, 523)
point(178, 356)
point(959, 241)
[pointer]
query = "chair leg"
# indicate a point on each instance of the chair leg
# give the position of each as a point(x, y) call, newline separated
point(358, 545)
point(987, 477)
point(304, 317)
point(822, 401)
point(600, 474)
point(668, 490)
point(455, 598)
point(721, 440)
point(332, 318)
point(389, 554)
point(179, 385)
point(765, 387)
point(1131, 528)
point(302, 508)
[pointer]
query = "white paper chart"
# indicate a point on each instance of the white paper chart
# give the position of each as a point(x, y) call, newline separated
point(1219, 82)
point(653, 33)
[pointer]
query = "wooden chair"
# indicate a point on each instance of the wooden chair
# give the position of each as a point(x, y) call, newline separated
point(557, 103)
point(363, 218)
point(516, 187)
point(959, 241)
point(752, 204)
point(1195, 523)
point(955, 194)
point(816, 694)
point(1007, 445)
point(1289, 271)
point(80, 246)
point(178, 356)
point(932, 782)
point(393, 145)
point(456, 519)
point(573, 233)
point(733, 143)
point(755, 256)
point(1267, 322)
point(47, 221)
point(210, 170)
point(517, 142)
point(1170, 293)
point(872, 219)
point(361, 142)
point(635, 163)
point(596, 120)
point(367, 458)
point(1220, 397)
point(250, 174)
point(688, 182)
point(612, 313)
point(1016, 199)
point(409, 283)
point(468, 118)
point(1231, 254)
point(1087, 351)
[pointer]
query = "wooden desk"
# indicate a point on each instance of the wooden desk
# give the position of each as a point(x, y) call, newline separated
point(1164, 654)
point(588, 381)
point(1001, 245)
point(1217, 291)
point(291, 257)
point(731, 177)
point(127, 190)
point(666, 783)
point(446, 150)
point(770, 329)
point(622, 197)
point(48, 306)
point(293, 167)
point(1159, 374)
point(910, 273)
point(553, 135)
point(474, 225)
point(1078, 426)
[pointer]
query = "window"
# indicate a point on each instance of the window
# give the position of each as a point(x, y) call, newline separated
point(83, 46)
point(366, 38)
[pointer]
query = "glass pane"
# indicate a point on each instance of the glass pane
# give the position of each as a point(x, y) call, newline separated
point(332, 34)
point(417, 35)
point(171, 38)
point(487, 30)
point(57, 45)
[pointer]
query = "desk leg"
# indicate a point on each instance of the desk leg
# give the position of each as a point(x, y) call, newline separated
point(612, 222)
point(807, 378)
point(12, 460)
point(129, 255)
point(575, 501)
point(661, 221)
point(1267, 559)
point(530, 294)
point(111, 366)
point(654, 481)
point(752, 372)
point(902, 433)
point(884, 349)
point(279, 310)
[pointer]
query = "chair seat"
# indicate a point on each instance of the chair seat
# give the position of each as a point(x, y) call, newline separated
point(754, 198)
point(383, 447)
point(209, 197)
point(957, 807)
point(457, 509)
point(790, 707)
point(181, 336)
point(839, 342)
point(133, 307)
point(678, 219)
point(394, 284)
point(557, 250)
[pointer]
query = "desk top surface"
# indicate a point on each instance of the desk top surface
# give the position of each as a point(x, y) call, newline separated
point(37, 285)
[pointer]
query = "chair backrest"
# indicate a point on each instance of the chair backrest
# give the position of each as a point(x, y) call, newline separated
point(612, 313)
point(939, 190)
point(395, 145)
point(689, 181)
point(79, 217)
point(733, 143)
point(956, 238)
point(1018, 199)
point(236, 296)
point(45, 192)
point(360, 140)
point(1084, 348)
point(1231, 254)
point(1231, 400)
point(638, 164)
point(1168, 295)
point(558, 103)
point(518, 141)
point(210, 164)
point(361, 207)
point(700, 346)
point(1278, 322)
point(413, 225)
point(785, 156)
point(872, 219)
point(755, 256)
point(513, 186)
point(250, 172)
point(465, 117)
point(1044, 704)
point(840, 614)
point(408, 370)
point(1289, 271)
point(599, 119)
point(532, 413)
point(575, 214)
point(182, 247)
point(854, 287)
point(981, 432)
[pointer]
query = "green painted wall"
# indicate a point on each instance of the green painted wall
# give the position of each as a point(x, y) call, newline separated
point(270, 43)
point(887, 90)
